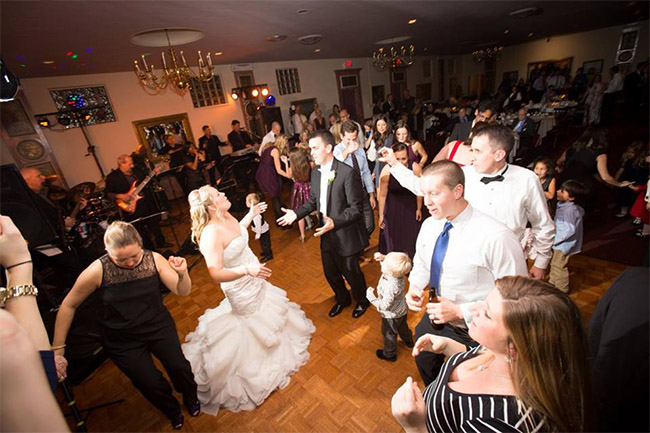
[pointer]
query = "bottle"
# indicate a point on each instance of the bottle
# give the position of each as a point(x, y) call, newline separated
point(434, 299)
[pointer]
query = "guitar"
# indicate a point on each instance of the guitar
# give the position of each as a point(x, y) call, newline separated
point(131, 204)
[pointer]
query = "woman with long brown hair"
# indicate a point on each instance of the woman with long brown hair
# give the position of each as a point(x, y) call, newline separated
point(300, 171)
point(417, 154)
point(529, 372)
point(256, 338)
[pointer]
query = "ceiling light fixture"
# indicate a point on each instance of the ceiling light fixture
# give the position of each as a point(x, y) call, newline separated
point(402, 58)
point(413, 21)
point(506, 31)
point(530, 35)
point(485, 54)
point(218, 53)
point(48, 62)
point(178, 73)
point(276, 38)
point(317, 50)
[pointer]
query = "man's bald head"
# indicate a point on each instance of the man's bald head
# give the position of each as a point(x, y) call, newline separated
point(33, 178)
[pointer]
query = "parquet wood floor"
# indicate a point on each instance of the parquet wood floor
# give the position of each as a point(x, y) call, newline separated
point(343, 387)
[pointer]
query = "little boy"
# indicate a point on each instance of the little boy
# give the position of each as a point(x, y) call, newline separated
point(568, 231)
point(391, 303)
point(261, 229)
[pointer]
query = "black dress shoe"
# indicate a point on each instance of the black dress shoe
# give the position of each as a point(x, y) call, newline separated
point(409, 344)
point(359, 310)
point(336, 310)
point(380, 355)
point(266, 259)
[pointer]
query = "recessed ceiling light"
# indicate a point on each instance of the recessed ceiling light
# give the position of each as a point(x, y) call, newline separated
point(530, 35)
point(413, 21)
point(506, 31)
point(526, 12)
point(276, 38)
point(310, 39)
point(425, 49)
point(48, 62)
point(302, 11)
point(317, 50)
point(394, 40)
point(218, 53)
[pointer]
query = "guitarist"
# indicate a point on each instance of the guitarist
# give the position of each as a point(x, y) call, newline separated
point(118, 184)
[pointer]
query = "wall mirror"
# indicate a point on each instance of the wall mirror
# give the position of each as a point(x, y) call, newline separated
point(151, 133)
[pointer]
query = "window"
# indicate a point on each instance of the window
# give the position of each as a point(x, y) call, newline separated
point(426, 68)
point(206, 93)
point(288, 81)
point(399, 76)
point(348, 81)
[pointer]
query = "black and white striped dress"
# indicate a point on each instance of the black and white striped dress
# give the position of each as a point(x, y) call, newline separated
point(452, 411)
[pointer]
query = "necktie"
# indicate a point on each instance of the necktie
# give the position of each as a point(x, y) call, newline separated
point(438, 256)
point(498, 178)
point(520, 126)
point(357, 169)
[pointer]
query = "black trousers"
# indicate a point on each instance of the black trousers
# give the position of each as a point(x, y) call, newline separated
point(131, 352)
point(428, 363)
point(336, 268)
point(265, 242)
point(390, 329)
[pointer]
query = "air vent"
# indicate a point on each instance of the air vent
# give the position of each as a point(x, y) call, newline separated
point(310, 39)
point(526, 12)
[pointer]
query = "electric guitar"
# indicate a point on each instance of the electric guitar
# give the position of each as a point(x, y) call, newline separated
point(130, 205)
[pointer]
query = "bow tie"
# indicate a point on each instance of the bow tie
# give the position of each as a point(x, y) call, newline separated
point(497, 178)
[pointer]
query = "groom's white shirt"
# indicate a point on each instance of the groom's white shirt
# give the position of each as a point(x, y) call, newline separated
point(324, 178)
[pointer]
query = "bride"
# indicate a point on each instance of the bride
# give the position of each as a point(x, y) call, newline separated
point(250, 344)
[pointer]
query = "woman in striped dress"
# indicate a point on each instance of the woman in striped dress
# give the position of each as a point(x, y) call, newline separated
point(528, 374)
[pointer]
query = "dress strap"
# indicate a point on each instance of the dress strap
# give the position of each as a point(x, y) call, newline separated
point(454, 149)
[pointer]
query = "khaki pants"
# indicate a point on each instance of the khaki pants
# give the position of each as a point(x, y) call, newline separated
point(559, 275)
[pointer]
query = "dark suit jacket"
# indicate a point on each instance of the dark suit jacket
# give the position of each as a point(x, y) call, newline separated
point(461, 131)
point(528, 130)
point(211, 147)
point(344, 205)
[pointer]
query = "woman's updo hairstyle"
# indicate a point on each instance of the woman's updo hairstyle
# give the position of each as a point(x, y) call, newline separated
point(121, 234)
point(200, 200)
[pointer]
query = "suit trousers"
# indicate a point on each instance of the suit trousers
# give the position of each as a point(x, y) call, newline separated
point(428, 363)
point(337, 267)
point(131, 352)
point(265, 242)
point(390, 329)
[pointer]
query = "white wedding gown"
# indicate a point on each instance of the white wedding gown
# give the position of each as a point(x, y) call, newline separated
point(250, 344)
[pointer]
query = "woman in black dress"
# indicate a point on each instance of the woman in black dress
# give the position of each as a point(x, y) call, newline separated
point(134, 321)
point(529, 373)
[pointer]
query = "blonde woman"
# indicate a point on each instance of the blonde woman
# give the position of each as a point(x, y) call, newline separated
point(529, 372)
point(250, 344)
point(134, 321)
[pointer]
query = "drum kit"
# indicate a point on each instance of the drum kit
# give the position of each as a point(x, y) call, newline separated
point(94, 218)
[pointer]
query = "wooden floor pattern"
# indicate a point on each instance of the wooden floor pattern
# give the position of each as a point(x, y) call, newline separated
point(342, 388)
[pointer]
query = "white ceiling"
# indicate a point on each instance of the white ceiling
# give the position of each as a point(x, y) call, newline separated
point(35, 31)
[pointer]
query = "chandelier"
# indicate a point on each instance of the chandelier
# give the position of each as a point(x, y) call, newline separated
point(485, 54)
point(177, 73)
point(381, 59)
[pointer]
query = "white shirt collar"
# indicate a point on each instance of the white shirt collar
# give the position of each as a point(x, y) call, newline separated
point(326, 167)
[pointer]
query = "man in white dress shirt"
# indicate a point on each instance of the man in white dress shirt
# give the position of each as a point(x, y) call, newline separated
point(479, 250)
point(276, 128)
point(511, 194)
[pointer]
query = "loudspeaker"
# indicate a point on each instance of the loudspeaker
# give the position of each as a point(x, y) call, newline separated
point(270, 115)
point(19, 203)
point(10, 83)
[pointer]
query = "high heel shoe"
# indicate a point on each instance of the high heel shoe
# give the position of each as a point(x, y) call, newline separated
point(302, 239)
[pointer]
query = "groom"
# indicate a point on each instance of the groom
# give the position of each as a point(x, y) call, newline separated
point(336, 193)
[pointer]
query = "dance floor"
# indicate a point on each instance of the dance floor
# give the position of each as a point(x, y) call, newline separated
point(344, 386)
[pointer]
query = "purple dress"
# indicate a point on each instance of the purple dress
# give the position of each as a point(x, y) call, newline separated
point(300, 194)
point(266, 176)
point(401, 228)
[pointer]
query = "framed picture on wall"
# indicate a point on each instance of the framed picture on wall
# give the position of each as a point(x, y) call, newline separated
point(593, 67)
point(14, 119)
point(561, 64)
point(378, 93)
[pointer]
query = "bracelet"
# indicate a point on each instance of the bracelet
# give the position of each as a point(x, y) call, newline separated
point(17, 264)
point(58, 347)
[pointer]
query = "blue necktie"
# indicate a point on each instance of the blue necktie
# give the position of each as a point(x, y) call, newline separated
point(520, 126)
point(438, 256)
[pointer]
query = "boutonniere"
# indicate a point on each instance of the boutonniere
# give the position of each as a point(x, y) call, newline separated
point(331, 176)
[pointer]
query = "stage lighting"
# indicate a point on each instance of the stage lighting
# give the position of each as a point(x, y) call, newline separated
point(43, 122)
point(265, 91)
point(255, 93)
point(234, 95)
point(270, 100)
point(10, 83)
point(64, 120)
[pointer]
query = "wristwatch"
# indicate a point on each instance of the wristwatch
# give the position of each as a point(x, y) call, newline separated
point(16, 291)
